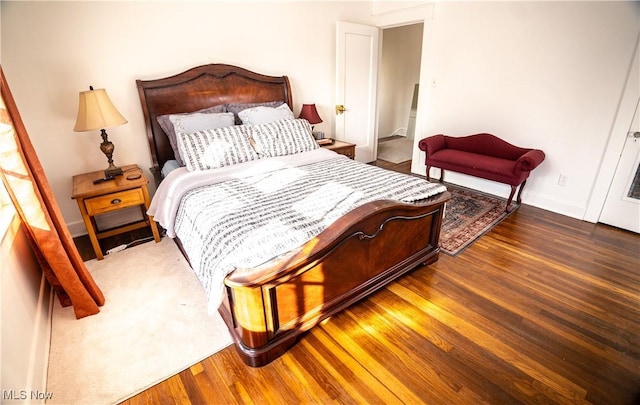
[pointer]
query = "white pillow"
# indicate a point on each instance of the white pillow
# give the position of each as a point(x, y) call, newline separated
point(218, 147)
point(283, 137)
point(167, 127)
point(189, 123)
point(261, 114)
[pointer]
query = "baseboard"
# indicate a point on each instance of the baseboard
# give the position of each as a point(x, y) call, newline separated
point(553, 205)
point(77, 228)
point(41, 344)
point(529, 197)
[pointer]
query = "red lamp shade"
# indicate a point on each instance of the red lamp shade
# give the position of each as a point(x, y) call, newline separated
point(310, 113)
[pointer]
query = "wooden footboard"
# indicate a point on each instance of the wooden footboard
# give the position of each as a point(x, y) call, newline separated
point(269, 307)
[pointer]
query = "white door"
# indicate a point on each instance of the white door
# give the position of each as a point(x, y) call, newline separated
point(622, 206)
point(356, 86)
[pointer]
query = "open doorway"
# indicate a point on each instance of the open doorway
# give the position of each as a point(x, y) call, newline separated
point(398, 87)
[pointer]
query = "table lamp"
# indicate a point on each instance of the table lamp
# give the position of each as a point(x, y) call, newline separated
point(97, 112)
point(310, 113)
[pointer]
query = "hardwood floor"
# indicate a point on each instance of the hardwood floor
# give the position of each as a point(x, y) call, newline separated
point(542, 309)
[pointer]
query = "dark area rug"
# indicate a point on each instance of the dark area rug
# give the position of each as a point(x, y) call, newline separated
point(469, 215)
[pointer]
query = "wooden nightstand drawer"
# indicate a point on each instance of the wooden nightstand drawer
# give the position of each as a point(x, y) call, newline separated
point(114, 201)
point(343, 148)
point(348, 151)
point(128, 190)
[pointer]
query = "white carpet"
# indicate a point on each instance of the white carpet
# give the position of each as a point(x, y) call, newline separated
point(153, 325)
point(395, 150)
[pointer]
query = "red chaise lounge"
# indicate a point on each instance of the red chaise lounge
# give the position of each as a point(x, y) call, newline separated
point(482, 155)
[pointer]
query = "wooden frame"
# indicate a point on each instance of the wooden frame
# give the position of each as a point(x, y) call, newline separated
point(267, 311)
point(198, 88)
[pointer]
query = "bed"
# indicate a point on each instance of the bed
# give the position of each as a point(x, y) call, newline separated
point(268, 299)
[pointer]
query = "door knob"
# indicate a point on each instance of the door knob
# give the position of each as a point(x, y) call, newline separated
point(340, 109)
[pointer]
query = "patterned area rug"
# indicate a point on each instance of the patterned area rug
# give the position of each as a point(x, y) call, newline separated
point(469, 215)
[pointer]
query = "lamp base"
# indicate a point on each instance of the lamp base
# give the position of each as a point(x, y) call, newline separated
point(107, 148)
point(112, 171)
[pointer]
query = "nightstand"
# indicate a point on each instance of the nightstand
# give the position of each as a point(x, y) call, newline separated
point(112, 195)
point(343, 148)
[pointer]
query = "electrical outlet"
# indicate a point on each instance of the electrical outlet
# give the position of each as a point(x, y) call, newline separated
point(562, 180)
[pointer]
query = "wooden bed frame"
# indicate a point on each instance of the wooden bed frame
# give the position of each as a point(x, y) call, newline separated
point(267, 311)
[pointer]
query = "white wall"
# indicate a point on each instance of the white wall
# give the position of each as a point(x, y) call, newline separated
point(53, 50)
point(548, 75)
point(539, 74)
point(25, 308)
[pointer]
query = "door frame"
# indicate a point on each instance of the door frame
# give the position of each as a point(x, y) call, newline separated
point(391, 18)
point(412, 15)
point(617, 138)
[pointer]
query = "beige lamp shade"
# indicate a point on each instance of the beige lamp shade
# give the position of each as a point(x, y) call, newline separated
point(96, 111)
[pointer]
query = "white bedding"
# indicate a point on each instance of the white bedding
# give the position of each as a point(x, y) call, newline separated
point(166, 200)
point(238, 217)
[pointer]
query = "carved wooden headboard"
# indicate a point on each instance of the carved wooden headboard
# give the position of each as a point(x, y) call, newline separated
point(198, 88)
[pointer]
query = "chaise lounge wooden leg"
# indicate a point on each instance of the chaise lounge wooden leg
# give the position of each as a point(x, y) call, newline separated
point(429, 175)
point(513, 191)
point(518, 198)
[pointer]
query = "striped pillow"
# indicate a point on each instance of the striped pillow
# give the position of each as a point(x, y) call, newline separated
point(215, 148)
point(283, 137)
